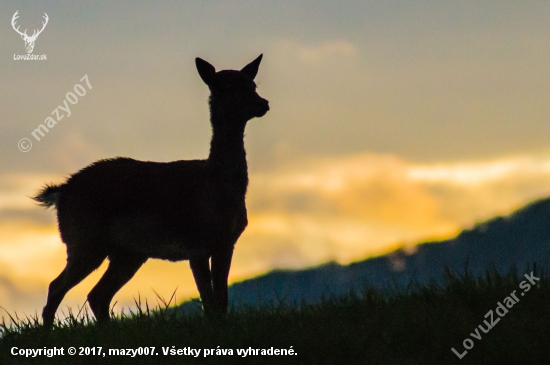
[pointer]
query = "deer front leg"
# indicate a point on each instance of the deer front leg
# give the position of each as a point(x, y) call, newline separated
point(203, 278)
point(221, 263)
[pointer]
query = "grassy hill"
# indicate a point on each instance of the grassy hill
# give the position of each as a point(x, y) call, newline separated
point(419, 325)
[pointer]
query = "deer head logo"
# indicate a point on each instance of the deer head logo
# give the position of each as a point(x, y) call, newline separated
point(29, 41)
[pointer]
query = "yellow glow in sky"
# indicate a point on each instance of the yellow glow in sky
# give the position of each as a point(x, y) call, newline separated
point(342, 209)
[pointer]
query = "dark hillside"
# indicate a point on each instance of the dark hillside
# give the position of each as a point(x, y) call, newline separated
point(521, 239)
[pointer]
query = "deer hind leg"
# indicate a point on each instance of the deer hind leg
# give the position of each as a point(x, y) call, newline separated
point(221, 263)
point(78, 267)
point(122, 267)
point(203, 278)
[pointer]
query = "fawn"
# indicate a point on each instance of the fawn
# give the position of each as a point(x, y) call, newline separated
point(130, 211)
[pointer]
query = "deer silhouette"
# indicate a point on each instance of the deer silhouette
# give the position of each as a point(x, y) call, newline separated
point(130, 211)
point(29, 41)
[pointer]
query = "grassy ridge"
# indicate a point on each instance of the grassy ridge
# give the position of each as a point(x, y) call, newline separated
point(413, 326)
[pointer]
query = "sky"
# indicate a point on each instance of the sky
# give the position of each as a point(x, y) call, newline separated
point(391, 123)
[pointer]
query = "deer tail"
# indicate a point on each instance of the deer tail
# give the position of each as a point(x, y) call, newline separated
point(48, 196)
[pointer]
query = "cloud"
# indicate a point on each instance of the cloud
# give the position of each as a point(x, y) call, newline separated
point(16, 301)
point(349, 207)
point(16, 205)
point(342, 208)
point(317, 53)
point(336, 48)
point(479, 173)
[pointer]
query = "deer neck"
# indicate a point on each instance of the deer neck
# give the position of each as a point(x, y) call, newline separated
point(228, 157)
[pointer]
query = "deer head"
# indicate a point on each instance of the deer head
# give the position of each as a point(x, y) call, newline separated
point(29, 41)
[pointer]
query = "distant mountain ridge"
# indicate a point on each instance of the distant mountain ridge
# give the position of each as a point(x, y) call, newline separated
point(520, 239)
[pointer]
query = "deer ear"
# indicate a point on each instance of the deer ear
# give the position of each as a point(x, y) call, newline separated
point(206, 70)
point(251, 69)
